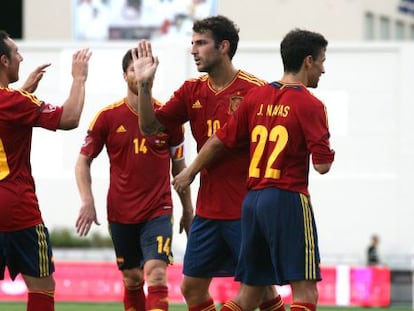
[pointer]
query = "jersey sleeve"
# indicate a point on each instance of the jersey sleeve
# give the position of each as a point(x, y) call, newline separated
point(315, 126)
point(176, 136)
point(174, 112)
point(95, 137)
point(236, 130)
point(28, 109)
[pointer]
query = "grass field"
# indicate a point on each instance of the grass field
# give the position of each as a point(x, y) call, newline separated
point(66, 306)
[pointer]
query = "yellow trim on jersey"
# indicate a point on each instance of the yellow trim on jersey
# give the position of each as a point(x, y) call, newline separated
point(112, 106)
point(251, 78)
point(116, 105)
point(28, 95)
point(156, 102)
point(203, 77)
point(310, 264)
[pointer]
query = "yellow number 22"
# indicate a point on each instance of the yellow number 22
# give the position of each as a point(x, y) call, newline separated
point(260, 135)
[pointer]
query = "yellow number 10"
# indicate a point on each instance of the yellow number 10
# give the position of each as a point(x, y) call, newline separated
point(260, 135)
point(213, 126)
point(4, 166)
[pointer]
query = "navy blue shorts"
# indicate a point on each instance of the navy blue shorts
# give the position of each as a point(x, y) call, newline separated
point(26, 251)
point(280, 242)
point(212, 248)
point(135, 244)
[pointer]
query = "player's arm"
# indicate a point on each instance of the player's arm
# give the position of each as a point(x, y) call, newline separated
point(87, 212)
point(314, 121)
point(30, 85)
point(204, 157)
point(185, 197)
point(73, 106)
point(145, 66)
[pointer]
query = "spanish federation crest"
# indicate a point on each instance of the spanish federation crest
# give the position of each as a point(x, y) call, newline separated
point(235, 102)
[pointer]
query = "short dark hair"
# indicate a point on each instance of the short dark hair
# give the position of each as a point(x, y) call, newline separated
point(126, 61)
point(221, 28)
point(297, 45)
point(4, 48)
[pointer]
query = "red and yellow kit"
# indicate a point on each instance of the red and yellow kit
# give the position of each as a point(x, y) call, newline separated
point(208, 110)
point(19, 113)
point(285, 124)
point(139, 188)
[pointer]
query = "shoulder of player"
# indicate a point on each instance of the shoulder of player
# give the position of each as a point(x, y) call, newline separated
point(200, 79)
point(19, 100)
point(110, 109)
point(303, 95)
point(107, 114)
point(114, 106)
point(250, 78)
point(156, 103)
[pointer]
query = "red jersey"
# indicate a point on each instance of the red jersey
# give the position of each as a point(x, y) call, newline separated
point(284, 124)
point(222, 184)
point(19, 113)
point(139, 187)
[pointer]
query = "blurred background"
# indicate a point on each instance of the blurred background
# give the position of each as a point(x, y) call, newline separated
point(367, 88)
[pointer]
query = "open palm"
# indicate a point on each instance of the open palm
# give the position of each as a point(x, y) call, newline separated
point(145, 64)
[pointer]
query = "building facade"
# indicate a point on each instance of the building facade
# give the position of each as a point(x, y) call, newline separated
point(261, 20)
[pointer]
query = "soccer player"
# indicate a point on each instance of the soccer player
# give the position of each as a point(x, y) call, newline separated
point(24, 240)
point(207, 102)
point(284, 124)
point(139, 203)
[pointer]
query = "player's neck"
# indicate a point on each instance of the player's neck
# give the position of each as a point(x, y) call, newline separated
point(222, 76)
point(132, 101)
point(294, 78)
point(4, 83)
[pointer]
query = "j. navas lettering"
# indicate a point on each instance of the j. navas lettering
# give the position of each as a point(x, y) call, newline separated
point(271, 110)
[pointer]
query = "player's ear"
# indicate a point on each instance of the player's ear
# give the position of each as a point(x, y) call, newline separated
point(225, 46)
point(4, 60)
point(308, 61)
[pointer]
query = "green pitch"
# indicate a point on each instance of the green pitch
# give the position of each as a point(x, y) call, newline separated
point(66, 306)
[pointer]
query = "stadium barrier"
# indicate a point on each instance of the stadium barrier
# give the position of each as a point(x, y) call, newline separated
point(101, 282)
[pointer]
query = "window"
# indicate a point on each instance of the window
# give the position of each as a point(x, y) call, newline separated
point(11, 17)
point(369, 26)
point(412, 32)
point(384, 28)
point(399, 30)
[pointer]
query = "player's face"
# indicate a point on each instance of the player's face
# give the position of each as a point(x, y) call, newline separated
point(13, 64)
point(129, 77)
point(316, 70)
point(206, 55)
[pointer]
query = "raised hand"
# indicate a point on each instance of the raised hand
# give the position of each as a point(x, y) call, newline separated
point(80, 61)
point(145, 64)
point(32, 81)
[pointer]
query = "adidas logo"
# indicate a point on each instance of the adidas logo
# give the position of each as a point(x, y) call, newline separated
point(121, 129)
point(197, 105)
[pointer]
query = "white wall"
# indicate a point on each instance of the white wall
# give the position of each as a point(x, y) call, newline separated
point(368, 93)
